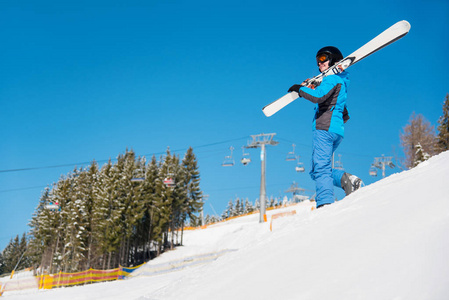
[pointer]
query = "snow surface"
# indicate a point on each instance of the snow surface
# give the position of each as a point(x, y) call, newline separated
point(389, 240)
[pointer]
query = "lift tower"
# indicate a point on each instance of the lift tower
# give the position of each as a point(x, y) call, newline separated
point(295, 190)
point(380, 163)
point(260, 141)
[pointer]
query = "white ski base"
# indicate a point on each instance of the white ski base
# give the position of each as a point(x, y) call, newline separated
point(275, 106)
point(392, 34)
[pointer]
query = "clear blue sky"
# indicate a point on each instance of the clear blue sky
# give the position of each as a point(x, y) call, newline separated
point(84, 80)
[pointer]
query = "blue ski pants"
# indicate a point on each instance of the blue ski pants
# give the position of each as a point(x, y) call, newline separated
point(324, 145)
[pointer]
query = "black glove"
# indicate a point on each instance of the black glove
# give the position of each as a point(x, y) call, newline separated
point(294, 88)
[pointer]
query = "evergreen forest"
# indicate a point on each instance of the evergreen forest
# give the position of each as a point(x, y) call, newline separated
point(123, 213)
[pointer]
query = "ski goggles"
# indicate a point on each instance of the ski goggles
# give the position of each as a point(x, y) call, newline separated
point(322, 58)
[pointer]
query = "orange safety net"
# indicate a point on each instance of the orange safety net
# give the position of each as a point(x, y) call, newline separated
point(68, 279)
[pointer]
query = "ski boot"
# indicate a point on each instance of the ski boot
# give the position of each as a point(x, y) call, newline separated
point(350, 183)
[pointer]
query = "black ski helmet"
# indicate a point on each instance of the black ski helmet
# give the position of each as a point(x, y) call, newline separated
point(334, 55)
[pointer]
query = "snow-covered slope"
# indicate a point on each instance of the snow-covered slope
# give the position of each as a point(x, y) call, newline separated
point(389, 240)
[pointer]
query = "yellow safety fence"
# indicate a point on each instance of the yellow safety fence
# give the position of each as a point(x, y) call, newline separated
point(239, 216)
point(62, 279)
point(18, 281)
point(68, 279)
point(280, 215)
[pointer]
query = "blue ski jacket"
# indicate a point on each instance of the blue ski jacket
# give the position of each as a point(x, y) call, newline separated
point(330, 98)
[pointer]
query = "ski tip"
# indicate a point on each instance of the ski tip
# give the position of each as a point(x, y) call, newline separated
point(404, 24)
point(266, 113)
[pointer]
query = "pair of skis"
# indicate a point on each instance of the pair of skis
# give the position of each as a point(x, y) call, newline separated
point(390, 35)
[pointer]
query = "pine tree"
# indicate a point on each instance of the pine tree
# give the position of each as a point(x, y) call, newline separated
point(151, 196)
point(51, 224)
point(224, 215)
point(37, 245)
point(443, 127)
point(94, 210)
point(128, 201)
point(139, 238)
point(420, 155)
point(249, 208)
point(136, 210)
point(211, 219)
point(257, 204)
point(108, 213)
point(238, 209)
point(9, 255)
point(159, 211)
point(164, 203)
point(229, 210)
point(2, 264)
point(74, 220)
point(14, 256)
point(207, 219)
point(180, 202)
point(23, 247)
point(194, 195)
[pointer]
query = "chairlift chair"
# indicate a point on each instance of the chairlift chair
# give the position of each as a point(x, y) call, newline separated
point(338, 164)
point(291, 155)
point(169, 182)
point(300, 167)
point(137, 176)
point(52, 206)
point(137, 179)
point(228, 161)
point(245, 158)
point(373, 171)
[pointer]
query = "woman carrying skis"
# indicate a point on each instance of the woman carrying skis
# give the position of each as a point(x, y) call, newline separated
point(328, 127)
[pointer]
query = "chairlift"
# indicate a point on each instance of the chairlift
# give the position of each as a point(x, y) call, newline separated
point(291, 155)
point(373, 171)
point(299, 166)
point(229, 160)
point(137, 176)
point(52, 206)
point(245, 158)
point(137, 179)
point(169, 182)
point(338, 164)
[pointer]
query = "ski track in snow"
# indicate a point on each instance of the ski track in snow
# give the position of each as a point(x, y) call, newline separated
point(388, 240)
